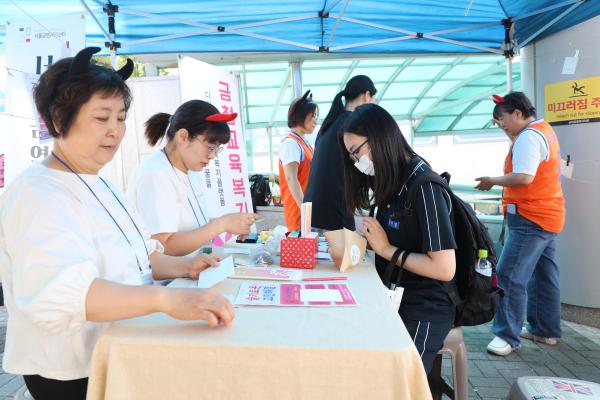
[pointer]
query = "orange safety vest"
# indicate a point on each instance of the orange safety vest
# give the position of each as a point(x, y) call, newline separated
point(291, 211)
point(542, 201)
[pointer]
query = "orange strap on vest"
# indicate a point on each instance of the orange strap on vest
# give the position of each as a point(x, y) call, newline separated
point(291, 211)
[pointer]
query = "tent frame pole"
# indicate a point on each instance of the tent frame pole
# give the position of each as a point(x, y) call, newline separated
point(552, 22)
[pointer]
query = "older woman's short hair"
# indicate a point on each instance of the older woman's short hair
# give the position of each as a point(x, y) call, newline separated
point(59, 95)
point(299, 110)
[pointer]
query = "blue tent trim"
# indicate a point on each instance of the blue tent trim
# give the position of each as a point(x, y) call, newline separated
point(341, 26)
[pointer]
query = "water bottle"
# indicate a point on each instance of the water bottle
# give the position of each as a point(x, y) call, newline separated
point(484, 267)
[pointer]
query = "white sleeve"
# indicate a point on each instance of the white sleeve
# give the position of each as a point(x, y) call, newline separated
point(54, 257)
point(289, 151)
point(529, 150)
point(155, 200)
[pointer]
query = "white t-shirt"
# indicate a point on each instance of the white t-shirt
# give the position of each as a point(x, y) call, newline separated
point(528, 151)
point(290, 151)
point(163, 196)
point(55, 239)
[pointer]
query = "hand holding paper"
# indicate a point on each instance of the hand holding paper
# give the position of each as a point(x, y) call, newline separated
point(212, 276)
point(200, 263)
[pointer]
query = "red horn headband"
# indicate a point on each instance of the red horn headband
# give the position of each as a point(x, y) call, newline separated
point(498, 99)
point(221, 117)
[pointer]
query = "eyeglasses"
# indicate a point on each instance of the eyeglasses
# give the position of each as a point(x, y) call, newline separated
point(352, 155)
point(214, 151)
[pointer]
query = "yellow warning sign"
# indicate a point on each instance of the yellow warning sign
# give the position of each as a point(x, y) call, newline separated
point(572, 102)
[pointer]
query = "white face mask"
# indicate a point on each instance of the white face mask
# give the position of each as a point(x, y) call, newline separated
point(365, 165)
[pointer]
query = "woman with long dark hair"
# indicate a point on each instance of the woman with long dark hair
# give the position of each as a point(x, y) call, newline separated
point(325, 187)
point(379, 166)
point(161, 187)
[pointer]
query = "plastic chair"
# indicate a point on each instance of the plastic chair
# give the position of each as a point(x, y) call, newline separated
point(547, 387)
point(23, 394)
point(454, 345)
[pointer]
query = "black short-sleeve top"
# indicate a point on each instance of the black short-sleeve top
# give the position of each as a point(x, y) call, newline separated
point(430, 229)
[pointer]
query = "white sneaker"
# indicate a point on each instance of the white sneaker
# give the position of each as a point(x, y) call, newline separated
point(499, 347)
point(525, 334)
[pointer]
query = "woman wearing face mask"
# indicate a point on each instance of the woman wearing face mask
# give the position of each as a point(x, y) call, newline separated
point(295, 155)
point(161, 188)
point(73, 254)
point(534, 209)
point(325, 187)
point(379, 165)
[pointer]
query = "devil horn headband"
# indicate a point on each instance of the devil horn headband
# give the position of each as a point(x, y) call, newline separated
point(221, 117)
point(498, 99)
point(307, 95)
point(81, 63)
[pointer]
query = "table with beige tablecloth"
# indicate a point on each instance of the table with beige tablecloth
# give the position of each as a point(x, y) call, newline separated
point(361, 352)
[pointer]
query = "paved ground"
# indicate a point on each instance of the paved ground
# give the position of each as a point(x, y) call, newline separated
point(576, 356)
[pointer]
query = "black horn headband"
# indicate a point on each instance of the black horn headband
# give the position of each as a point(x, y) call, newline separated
point(81, 63)
point(307, 95)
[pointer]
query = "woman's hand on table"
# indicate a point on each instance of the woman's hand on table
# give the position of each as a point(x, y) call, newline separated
point(200, 263)
point(197, 304)
point(372, 230)
point(238, 223)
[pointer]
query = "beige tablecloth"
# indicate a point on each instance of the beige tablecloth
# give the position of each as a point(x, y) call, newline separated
point(361, 352)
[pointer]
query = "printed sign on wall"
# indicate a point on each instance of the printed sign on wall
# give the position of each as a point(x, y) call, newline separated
point(572, 102)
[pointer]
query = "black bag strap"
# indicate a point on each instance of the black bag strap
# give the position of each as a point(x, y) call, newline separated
point(393, 272)
point(420, 180)
point(391, 266)
point(400, 269)
point(372, 211)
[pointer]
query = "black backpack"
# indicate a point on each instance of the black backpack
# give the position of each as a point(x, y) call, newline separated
point(260, 190)
point(472, 293)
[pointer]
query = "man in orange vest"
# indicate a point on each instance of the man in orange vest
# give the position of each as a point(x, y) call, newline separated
point(533, 205)
point(295, 156)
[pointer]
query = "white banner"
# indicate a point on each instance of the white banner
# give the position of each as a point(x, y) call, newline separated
point(31, 46)
point(224, 181)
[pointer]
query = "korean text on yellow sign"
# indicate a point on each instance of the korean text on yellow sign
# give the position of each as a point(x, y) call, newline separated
point(572, 102)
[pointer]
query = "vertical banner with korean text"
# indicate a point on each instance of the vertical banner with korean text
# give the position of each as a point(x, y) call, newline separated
point(224, 182)
point(31, 46)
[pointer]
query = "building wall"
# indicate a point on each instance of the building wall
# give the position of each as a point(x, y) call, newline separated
point(542, 64)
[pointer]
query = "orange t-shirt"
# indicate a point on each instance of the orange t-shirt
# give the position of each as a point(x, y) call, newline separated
point(291, 211)
point(542, 201)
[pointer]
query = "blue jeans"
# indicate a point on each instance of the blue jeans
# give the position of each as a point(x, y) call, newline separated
point(528, 274)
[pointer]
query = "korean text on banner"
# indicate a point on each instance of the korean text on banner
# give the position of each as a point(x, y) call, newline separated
point(224, 181)
point(32, 46)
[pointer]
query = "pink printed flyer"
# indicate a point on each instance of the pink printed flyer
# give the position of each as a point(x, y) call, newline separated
point(295, 295)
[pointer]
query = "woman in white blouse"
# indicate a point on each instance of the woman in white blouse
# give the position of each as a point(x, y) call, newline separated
point(73, 254)
point(161, 188)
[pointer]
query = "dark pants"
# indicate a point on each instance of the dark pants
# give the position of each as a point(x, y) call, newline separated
point(428, 337)
point(51, 389)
